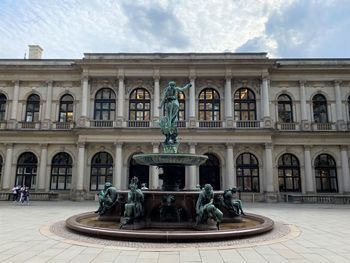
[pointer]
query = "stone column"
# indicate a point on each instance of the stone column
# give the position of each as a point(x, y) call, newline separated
point(191, 176)
point(42, 168)
point(154, 180)
point(192, 111)
point(121, 98)
point(118, 168)
point(8, 166)
point(84, 102)
point(47, 118)
point(308, 170)
point(81, 166)
point(14, 108)
point(266, 102)
point(345, 168)
point(338, 101)
point(269, 169)
point(228, 103)
point(304, 118)
point(230, 172)
point(156, 98)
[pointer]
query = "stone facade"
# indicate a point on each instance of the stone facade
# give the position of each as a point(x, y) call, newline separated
point(236, 111)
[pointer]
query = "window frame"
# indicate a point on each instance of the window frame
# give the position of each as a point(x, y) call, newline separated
point(99, 103)
point(22, 166)
point(214, 112)
point(33, 108)
point(144, 101)
point(66, 111)
point(247, 166)
point(284, 104)
point(237, 101)
point(283, 166)
point(327, 169)
point(3, 102)
point(108, 166)
point(68, 167)
point(317, 113)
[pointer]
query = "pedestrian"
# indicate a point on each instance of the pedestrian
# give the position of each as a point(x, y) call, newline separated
point(15, 192)
point(25, 196)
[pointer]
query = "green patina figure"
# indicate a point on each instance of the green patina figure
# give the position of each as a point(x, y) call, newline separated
point(232, 203)
point(168, 123)
point(134, 206)
point(108, 197)
point(205, 208)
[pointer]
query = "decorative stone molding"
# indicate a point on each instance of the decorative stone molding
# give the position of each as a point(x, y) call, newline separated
point(133, 83)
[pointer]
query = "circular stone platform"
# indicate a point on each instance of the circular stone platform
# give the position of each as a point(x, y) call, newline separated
point(257, 225)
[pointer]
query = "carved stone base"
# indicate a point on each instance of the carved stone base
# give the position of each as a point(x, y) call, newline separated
point(46, 125)
point(82, 122)
point(341, 125)
point(120, 122)
point(268, 122)
point(305, 126)
point(229, 123)
point(192, 123)
point(11, 124)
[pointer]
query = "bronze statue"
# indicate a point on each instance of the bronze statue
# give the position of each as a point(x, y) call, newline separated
point(108, 197)
point(232, 203)
point(205, 209)
point(134, 206)
point(168, 210)
point(168, 123)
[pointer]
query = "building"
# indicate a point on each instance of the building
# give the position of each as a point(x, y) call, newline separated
point(269, 126)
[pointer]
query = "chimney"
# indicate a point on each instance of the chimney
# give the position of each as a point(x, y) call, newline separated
point(35, 52)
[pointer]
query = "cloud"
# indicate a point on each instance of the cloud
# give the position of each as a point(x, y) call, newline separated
point(68, 28)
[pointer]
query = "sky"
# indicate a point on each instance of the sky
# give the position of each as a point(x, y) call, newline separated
point(66, 29)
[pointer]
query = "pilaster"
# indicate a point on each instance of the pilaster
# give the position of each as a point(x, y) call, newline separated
point(192, 91)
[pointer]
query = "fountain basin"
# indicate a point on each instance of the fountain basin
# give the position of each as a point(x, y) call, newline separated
point(173, 159)
point(88, 224)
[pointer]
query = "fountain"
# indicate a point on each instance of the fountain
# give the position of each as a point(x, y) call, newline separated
point(169, 214)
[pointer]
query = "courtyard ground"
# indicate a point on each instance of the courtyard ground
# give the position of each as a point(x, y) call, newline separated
point(316, 233)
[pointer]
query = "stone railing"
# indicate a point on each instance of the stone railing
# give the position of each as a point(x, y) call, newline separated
point(138, 124)
point(2, 125)
point(29, 125)
point(287, 126)
point(63, 125)
point(181, 124)
point(328, 126)
point(209, 124)
point(247, 124)
point(317, 199)
point(101, 124)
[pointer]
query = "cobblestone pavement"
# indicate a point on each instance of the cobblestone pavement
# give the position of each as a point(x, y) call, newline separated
point(318, 233)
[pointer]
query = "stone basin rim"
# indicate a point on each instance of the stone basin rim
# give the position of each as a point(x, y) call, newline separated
point(167, 235)
point(159, 159)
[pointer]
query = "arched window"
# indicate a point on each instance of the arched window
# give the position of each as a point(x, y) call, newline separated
point(138, 170)
point(285, 109)
point(2, 107)
point(209, 105)
point(26, 170)
point(66, 109)
point(209, 172)
point(289, 173)
point(319, 106)
point(326, 174)
point(245, 105)
point(101, 170)
point(61, 172)
point(33, 108)
point(139, 105)
point(247, 172)
point(104, 105)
